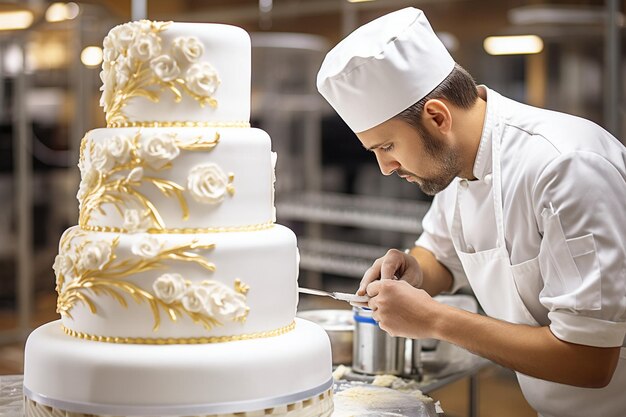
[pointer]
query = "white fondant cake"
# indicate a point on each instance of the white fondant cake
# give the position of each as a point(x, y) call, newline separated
point(182, 380)
point(160, 285)
point(197, 178)
point(177, 291)
point(203, 74)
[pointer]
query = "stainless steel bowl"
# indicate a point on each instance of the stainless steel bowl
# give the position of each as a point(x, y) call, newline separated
point(339, 325)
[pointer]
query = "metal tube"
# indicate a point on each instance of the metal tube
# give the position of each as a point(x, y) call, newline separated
point(612, 85)
point(139, 9)
point(349, 18)
point(2, 104)
point(76, 72)
point(24, 208)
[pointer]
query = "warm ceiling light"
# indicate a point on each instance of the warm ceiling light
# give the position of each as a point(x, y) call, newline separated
point(19, 19)
point(46, 55)
point(91, 56)
point(57, 12)
point(13, 59)
point(71, 10)
point(513, 45)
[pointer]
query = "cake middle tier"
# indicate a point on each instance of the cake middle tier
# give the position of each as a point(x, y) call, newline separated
point(176, 180)
point(177, 288)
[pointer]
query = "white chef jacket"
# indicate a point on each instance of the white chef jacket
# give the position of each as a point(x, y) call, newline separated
point(567, 164)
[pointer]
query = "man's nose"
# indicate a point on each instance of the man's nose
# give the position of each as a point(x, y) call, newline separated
point(387, 165)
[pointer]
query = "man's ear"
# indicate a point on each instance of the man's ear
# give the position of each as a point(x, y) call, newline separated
point(437, 116)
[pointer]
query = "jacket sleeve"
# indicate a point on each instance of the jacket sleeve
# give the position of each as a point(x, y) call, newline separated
point(580, 205)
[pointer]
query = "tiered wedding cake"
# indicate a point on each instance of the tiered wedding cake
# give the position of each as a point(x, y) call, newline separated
point(177, 292)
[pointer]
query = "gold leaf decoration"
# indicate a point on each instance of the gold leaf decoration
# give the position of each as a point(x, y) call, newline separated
point(207, 302)
point(117, 168)
point(92, 269)
point(240, 287)
point(200, 144)
point(137, 64)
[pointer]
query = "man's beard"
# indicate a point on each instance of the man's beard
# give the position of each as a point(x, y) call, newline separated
point(446, 159)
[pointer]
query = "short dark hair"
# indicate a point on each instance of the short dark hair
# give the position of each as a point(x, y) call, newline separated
point(458, 87)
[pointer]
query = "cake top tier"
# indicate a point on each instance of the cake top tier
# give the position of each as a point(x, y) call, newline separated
point(176, 74)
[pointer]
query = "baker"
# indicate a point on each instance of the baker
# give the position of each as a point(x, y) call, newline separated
point(529, 210)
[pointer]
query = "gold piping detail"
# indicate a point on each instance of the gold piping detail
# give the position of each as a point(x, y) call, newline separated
point(178, 124)
point(184, 231)
point(179, 340)
point(106, 278)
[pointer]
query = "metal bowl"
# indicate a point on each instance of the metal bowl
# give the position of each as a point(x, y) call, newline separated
point(339, 325)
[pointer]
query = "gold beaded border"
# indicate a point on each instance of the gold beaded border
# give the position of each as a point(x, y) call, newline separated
point(156, 123)
point(245, 228)
point(179, 340)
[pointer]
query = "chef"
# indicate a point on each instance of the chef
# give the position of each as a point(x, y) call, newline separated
point(529, 210)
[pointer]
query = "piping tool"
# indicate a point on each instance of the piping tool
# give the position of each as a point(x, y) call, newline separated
point(351, 298)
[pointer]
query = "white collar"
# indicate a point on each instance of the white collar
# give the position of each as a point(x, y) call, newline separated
point(483, 163)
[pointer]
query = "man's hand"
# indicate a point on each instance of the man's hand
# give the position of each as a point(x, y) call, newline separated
point(395, 264)
point(402, 310)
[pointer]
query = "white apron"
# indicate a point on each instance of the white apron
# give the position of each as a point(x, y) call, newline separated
point(492, 278)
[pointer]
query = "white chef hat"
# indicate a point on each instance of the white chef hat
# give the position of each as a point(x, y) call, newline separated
point(382, 68)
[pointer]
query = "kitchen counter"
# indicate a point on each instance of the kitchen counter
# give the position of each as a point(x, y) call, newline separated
point(418, 388)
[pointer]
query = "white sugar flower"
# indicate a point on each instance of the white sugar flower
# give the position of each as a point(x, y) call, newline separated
point(158, 150)
point(187, 48)
point(144, 25)
point(118, 147)
point(135, 175)
point(207, 183)
point(123, 36)
point(169, 288)
point(202, 79)
point(109, 51)
point(107, 67)
point(63, 266)
point(135, 221)
point(165, 68)
point(225, 302)
point(100, 159)
point(122, 71)
point(89, 181)
point(81, 167)
point(145, 47)
point(195, 299)
point(95, 255)
point(108, 85)
point(146, 247)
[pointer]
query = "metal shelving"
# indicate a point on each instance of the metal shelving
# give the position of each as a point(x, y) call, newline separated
point(395, 215)
point(348, 259)
point(339, 258)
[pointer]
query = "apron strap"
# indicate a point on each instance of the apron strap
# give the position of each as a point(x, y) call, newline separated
point(456, 231)
point(496, 188)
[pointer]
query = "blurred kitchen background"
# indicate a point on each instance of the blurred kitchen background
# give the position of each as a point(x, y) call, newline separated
point(562, 55)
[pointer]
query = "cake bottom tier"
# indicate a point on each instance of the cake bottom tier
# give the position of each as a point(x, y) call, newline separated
point(287, 375)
